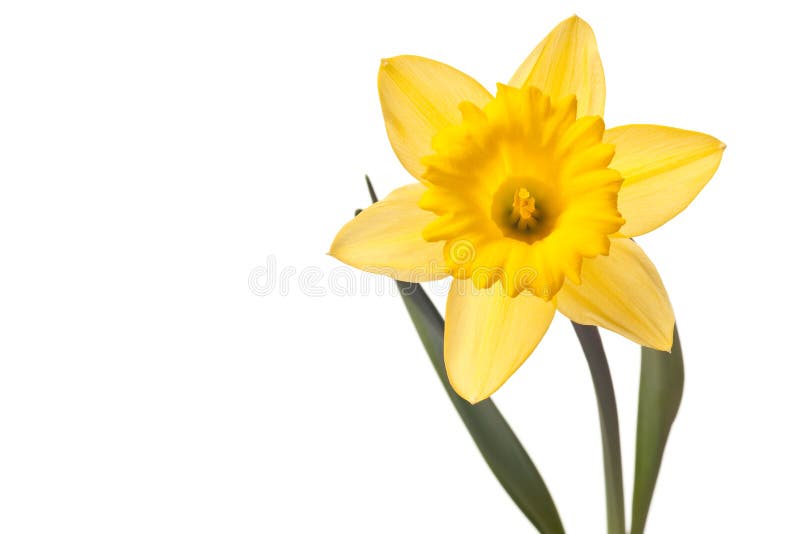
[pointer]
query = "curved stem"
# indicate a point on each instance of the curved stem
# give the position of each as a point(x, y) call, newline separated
point(592, 346)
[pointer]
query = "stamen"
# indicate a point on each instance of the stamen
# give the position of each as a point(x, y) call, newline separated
point(523, 209)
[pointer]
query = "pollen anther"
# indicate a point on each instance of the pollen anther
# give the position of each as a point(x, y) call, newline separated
point(523, 209)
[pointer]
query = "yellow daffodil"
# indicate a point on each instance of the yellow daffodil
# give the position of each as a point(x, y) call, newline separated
point(528, 202)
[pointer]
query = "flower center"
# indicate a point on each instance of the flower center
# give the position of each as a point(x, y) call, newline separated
point(518, 214)
point(525, 186)
point(523, 210)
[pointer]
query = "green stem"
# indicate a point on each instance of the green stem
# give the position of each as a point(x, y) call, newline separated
point(589, 338)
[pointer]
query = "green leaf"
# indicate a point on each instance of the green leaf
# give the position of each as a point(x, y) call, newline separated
point(489, 430)
point(660, 391)
point(592, 345)
point(495, 440)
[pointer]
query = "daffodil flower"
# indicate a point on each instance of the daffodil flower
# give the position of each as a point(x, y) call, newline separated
point(528, 202)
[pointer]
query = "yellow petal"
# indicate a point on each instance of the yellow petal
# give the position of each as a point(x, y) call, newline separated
point(419, 97)
point(621, 292)
point(663, 170)
point(487, 336)
point(386, 238)
point(567, 63)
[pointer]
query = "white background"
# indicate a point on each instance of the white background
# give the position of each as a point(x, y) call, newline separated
point(153, 154)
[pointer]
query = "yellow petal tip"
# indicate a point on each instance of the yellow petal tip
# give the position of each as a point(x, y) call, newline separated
point(474, 399)
point(576, 19)
point(471, 397)
point(665, 345)
point(334, 254)
point(665, 348)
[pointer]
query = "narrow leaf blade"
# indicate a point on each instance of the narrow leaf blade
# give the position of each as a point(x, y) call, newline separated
point(660, 392)
point(496, 441)
point(494, 438)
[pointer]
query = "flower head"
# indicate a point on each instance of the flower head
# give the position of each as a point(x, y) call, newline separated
point(525, 183)
point(528, 202)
